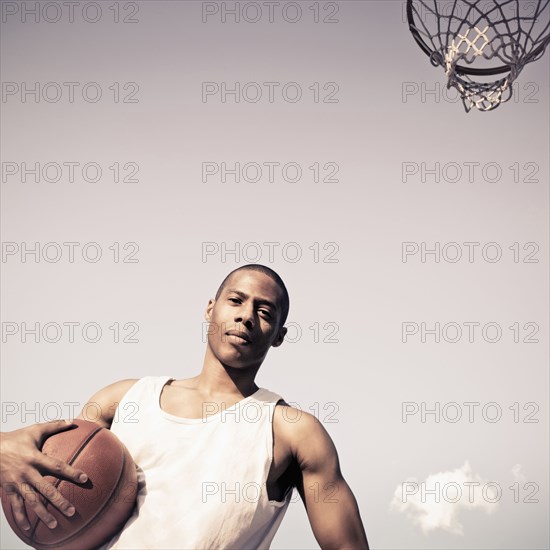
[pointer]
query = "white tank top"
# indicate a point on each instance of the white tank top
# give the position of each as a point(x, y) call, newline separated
point(201, 481)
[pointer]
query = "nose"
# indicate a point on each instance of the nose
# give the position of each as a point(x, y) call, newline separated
point(245, 315)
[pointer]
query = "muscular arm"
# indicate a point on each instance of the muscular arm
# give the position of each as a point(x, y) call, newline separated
point(101, 407)
point(23, 466)
point(330, 505)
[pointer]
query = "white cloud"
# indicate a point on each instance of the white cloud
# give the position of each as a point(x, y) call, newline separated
point(456, 490)
point(517, 473)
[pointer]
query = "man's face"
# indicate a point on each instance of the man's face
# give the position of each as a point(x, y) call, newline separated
point(249, 304)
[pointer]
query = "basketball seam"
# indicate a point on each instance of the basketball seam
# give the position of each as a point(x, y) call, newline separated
point(56, 484)
point(96, 516)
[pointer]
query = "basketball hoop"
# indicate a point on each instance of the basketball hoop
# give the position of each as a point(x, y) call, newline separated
point(476, 39)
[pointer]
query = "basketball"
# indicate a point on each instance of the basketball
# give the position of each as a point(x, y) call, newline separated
point(103, 504)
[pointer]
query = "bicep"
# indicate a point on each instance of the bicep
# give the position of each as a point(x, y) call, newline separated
point(330, 504)
point(332, 511)
point(102, 405)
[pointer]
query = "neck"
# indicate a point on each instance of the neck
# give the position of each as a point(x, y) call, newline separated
point(218, 378)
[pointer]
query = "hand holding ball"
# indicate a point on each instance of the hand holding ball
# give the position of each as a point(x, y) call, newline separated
point(103, 504)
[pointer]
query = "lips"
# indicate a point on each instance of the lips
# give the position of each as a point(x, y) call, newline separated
point(241, 335)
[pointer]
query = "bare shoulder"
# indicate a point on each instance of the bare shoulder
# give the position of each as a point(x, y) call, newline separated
point(102, 405)
point(292, 421)
point(304, 434)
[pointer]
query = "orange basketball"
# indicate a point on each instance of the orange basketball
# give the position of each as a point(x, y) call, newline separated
point(103, 504)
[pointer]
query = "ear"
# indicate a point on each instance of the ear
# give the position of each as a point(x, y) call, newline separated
point(209, 308)
point(280, 337)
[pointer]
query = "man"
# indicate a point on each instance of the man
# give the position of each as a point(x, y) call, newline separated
point(217, 456)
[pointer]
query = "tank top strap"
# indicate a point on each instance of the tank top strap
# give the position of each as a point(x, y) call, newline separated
point(268, 396)
point(141, 399)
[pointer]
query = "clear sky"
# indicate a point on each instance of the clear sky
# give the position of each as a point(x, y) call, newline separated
point(402, 171)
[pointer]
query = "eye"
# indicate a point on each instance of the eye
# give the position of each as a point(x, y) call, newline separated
point(234, 300)
point(266, 312)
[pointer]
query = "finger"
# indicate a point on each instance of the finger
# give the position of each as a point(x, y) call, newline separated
point(58, 468)
point(17, 507)
point(34, 502)
point(46, 429)
point(51, 493)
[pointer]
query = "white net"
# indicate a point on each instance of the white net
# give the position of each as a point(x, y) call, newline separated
point(476, 39)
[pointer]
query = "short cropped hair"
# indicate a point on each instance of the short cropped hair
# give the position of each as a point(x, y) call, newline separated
point(285, 300)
